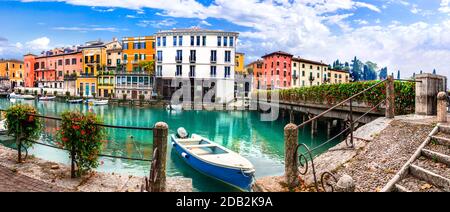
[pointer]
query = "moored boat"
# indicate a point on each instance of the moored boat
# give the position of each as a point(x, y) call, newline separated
point(15, 96)
point(28, 97)
point(75, 101)
point(174, 107)
point(98, 102)
point(47, 98)
point(214, 160)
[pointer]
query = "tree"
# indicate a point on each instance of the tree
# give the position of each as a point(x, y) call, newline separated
point(357, 70)
point(148, 66)
point(434, 71)
point(398, 74)
point(383, 73)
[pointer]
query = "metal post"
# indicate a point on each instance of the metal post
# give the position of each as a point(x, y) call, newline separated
point(19, 143)
point(72, 157)
point(160, 135)
point(390, 98)
point(290, 157)
point(351, 122)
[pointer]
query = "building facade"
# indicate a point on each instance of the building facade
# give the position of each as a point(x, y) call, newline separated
point(106, 76)
point(13, 71)
point(277, 70)
point(196, 55)
point(240, 62)
point(94, 61)
point(338, 76)
point(256, 68)
point(30, 65)
point(135, 78)
point(308, 72)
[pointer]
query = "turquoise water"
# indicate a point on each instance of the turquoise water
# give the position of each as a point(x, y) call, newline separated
point(243, 132)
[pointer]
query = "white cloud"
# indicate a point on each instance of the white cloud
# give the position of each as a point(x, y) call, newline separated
point(157, 24)
point(130, 16)
point(107, 10)
point(361, 22)
point(205, 23)
point(445, 6)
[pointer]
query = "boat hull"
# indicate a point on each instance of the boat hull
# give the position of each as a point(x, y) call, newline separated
point(233, 177)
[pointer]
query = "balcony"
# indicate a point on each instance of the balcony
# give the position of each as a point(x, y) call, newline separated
point(134, 86)
point(87, 75)
point(192, 59)
point(213, 60)
point(178, 59)
point(145, 73)
point(92, 62)
point(105, 84)
point(70, 77)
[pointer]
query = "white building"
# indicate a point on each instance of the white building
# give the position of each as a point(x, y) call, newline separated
point(198, 55)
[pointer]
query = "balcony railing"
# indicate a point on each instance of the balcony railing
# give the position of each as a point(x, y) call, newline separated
point(213, 60)
point(140, 86)
point(70, 77)
point(192, 59)
point(87, 75)
point(132, 73)
point(178, 59)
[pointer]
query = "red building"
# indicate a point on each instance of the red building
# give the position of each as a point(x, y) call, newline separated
point(276, 70)
point(30, 65)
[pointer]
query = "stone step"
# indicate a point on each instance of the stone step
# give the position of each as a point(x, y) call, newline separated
point(400, 188)
point(430, 177)
point(412, 184)
point(436, 156)
point(441, 140)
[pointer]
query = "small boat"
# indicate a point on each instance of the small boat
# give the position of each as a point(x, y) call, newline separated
point(3, 129)
point(47, 98)
point(75, 101)
point(214, 160)
point(28, 97)
point(15, 96)
point(98, 102)
point(174, 107)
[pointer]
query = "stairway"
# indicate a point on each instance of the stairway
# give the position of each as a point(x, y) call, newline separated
point(429, 169)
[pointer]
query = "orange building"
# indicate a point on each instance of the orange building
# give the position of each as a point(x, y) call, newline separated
point(13, 70)
point(256, 68)
point(136, 50)
point(29, 66)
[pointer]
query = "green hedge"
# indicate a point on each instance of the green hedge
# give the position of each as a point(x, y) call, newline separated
point(334, 93)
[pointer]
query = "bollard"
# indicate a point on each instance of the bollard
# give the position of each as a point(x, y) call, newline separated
point(390, 98)
point(291, 161)
point(160, 135)
point(442, 107)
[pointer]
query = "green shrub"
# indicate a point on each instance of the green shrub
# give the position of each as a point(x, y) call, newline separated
point(20, 122)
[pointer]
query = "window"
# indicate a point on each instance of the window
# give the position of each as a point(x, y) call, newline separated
point(318, 68)
point(278, 63)
point(303, 65)
point(125, 57)
point(125, 46)
point(137, 45)
point(231, 41)
point(285, 65)
point(179, 70)
point(295, 64)
point(143, 45)
point(192, 40)
point(225, 41)
point(180, 40)
point(174, 40)
point(213, 71)
point(192, 71)
point(303, 73)
point(59, 63)
point(118, 61)
point(160, 56)
point(74, 61)
point(153, 46)
point(204, 40)
point(219, 41)
point(193, 56)
point(213, 55)
point(310, 67)
point(67, 61)
point(159, 71)
point(198, 40)
point(164, 41)
point(227, 56)
point(136, 57)
point(227, 72)
point(179, 56)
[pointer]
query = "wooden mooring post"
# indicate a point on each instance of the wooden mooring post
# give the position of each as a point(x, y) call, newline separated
point(160, 135)
point(291, 162)
point(442, 107)
point(390, 98)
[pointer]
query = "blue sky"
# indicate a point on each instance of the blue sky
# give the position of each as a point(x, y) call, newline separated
point(400, 34)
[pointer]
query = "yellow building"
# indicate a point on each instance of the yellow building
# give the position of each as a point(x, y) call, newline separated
point(12, 70)
point(106, 77)
point(339, 76)
point(240, 66)
point(94, 61)
point(308, 73)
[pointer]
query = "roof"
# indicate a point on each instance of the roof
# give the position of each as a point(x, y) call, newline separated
point(10, 61)
point(278, 53)
point(254, 62)
point(58, 55)
point(195, 30)
point(298, 59)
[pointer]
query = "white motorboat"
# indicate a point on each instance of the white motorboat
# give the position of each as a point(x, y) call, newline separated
point(98, 102)
point(15, 96)
point(75, 101)
point(174, 107)
point(28, 97)
point(47, 98)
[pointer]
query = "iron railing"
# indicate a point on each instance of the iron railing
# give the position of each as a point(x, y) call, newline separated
point(148, 181)
point(305, 158)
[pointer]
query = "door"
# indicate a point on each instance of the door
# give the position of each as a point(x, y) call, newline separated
point(134, 94)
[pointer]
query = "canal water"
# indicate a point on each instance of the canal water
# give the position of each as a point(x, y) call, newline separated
point(241, 131)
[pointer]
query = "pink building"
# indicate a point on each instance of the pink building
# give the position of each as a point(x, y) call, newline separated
point(54, 68)
point(276, 71)
point(29, 78)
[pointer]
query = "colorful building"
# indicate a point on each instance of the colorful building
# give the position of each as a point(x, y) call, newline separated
point(308, 72)
point(277, 70)
point(94, 61)
point(240, 63)
point(106, 78)
point(133, 80)
point(256, 68)
point(338, 76)
point(30, 65)
point(12, 70)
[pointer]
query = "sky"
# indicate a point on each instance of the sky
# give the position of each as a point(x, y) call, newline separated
point(402, 35)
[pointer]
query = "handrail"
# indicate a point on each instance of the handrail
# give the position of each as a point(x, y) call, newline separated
point(339, 104)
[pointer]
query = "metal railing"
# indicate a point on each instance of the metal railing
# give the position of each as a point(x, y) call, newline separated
point(305, 158)
point(149, 184)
